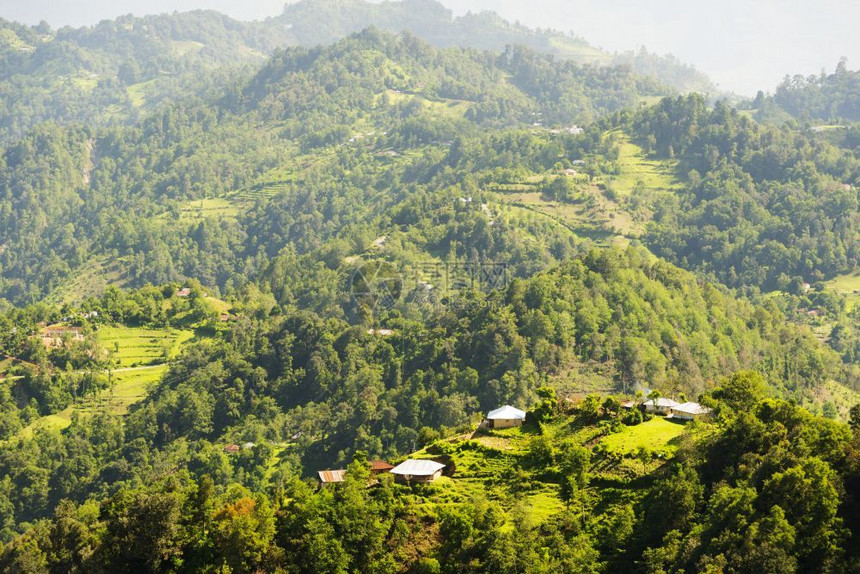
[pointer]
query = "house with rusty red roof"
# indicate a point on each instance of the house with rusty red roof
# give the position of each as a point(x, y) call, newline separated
point(331, 476)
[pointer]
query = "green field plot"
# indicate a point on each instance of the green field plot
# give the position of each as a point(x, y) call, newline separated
point(135, 347)
point(199, 209)
point(142, 355)
point(186, 47)
point(128, 386)
point(439, 107)
point(656, 434)
point(638, 169)
point(579, 51)
point(218, 305)
point(848, 285)
point(138, 92)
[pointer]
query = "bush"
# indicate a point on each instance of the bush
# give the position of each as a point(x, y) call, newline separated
point(632, 417)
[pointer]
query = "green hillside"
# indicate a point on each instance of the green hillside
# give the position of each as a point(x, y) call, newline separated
point(119, 70)
point(244, 264)
point(575, 489)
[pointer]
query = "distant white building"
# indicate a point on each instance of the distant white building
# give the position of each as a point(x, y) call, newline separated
point(660, 405)
point(417, 470)
point(505, 417)
point(690, 411)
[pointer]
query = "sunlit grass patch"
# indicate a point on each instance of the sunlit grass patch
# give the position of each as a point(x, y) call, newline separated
point(656, 434)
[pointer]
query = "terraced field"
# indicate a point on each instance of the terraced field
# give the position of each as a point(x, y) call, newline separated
point(129, 386)
point(91, 280)
point(496, 464)
point(637, 169)
point(608, 217)
point(206, 208)
point(142, 355)
point(136, 347)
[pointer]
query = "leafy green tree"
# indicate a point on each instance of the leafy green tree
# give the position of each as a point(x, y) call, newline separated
point(243, 532)
point(742, 391)
point(854, 417)
point(142, 530)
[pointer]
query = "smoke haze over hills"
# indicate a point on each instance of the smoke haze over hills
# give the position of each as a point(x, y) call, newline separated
point(743, 46)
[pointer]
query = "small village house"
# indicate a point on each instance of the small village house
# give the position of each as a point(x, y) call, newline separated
point(331, 476)
point(231, 449)
point(414, 470)
point(660, 406)
point(505, 417)
point(690, 411)
point(184, 292)
point(378, 467)
point(53, 336)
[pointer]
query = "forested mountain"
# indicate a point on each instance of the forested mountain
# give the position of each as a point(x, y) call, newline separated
point(111, 72)
point(324, 21)
point(227, 265)
point(762, 206)
point(385, 146)
point(298, 130)
point(306, 393)
point(822, 98)
point(118, 70)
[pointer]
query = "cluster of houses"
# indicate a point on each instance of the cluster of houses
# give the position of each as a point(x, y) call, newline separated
point(54, 335)
point(667, 407)
point(409, 471)
point(415, 470)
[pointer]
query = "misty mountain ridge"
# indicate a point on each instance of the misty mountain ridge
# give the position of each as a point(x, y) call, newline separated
point(116, 70)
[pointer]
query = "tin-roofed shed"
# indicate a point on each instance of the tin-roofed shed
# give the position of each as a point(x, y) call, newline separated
point(416, 470)
point(331, 476)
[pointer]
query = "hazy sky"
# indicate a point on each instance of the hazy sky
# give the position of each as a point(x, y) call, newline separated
point(744, 45)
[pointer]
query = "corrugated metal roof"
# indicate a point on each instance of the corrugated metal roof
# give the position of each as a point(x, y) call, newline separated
point(507, 412)
point(661, 402)
point(379, 465)
point(331, 475)
point(692, 409)
point(415, 467)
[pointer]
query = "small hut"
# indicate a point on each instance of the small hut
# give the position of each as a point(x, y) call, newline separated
point(414, 470)
point(505, 417)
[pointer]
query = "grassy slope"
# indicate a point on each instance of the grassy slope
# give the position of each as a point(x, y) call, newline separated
point(142, 356)
point(638, 169)
point(656, 434)
point(495, 464)
point(841, 396)
point(443, 107)
point(848, 285)
point(135, 347)
point(596, 214)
